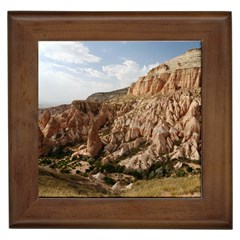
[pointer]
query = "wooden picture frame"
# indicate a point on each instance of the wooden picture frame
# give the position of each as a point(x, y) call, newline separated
point(212, 210)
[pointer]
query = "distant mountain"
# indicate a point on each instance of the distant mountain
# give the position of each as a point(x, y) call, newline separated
point(107, 96)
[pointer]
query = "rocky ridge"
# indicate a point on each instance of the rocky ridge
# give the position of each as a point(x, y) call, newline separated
point(182, 72)
point(107, 96)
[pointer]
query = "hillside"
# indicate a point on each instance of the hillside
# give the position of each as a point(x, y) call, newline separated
point(107, 96)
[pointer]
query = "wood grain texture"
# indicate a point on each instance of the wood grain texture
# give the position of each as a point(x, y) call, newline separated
point(213, 210)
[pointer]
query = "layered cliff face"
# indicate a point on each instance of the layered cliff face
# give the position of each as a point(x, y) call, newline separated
point(180, 72)
point(158, 120)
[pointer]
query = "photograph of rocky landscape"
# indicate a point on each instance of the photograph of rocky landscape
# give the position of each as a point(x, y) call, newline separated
point(119, 119)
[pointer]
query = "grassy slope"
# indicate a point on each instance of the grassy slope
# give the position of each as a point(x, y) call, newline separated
point(50, 186)
point(166, 187)
point(53, 184)
point(53, 187)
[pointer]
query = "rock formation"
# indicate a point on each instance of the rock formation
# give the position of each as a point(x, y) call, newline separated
point(159, 119)
point(67, 124)
point(94, 143)
point(181, 72)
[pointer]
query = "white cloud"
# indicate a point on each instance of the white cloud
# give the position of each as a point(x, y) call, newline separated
point(63, 67)
point(58, 86)
point(95, 73)
point(127, 72)
point(62, 79)
point(67, 52)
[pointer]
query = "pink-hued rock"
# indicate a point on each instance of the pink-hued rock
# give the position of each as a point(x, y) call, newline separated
point(51, 128)
point(94, 143)
point(44, 119)
point(182, 72)
point(192, 126)
point(44, 145)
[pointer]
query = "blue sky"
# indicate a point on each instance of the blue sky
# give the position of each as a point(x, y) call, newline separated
point(74, 70)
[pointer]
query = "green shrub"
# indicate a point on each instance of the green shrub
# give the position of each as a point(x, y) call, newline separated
point(137, 173)
point(111, 168)
point(155, 166)
point(62, 164)
point(64, 171)
point(109, 180)
point(180, 173)
point(89, 160)
point(45, 161)
point(119, 169)
point(53, 166)
point(151, 174)
point(96, 167)
point(189, 169)
point(60, 152)
point(108, 167)
point(159, 170)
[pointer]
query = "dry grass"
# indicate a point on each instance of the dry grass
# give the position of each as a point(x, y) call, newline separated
point(50, 186)
point(54, 186)
point(167, 187)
